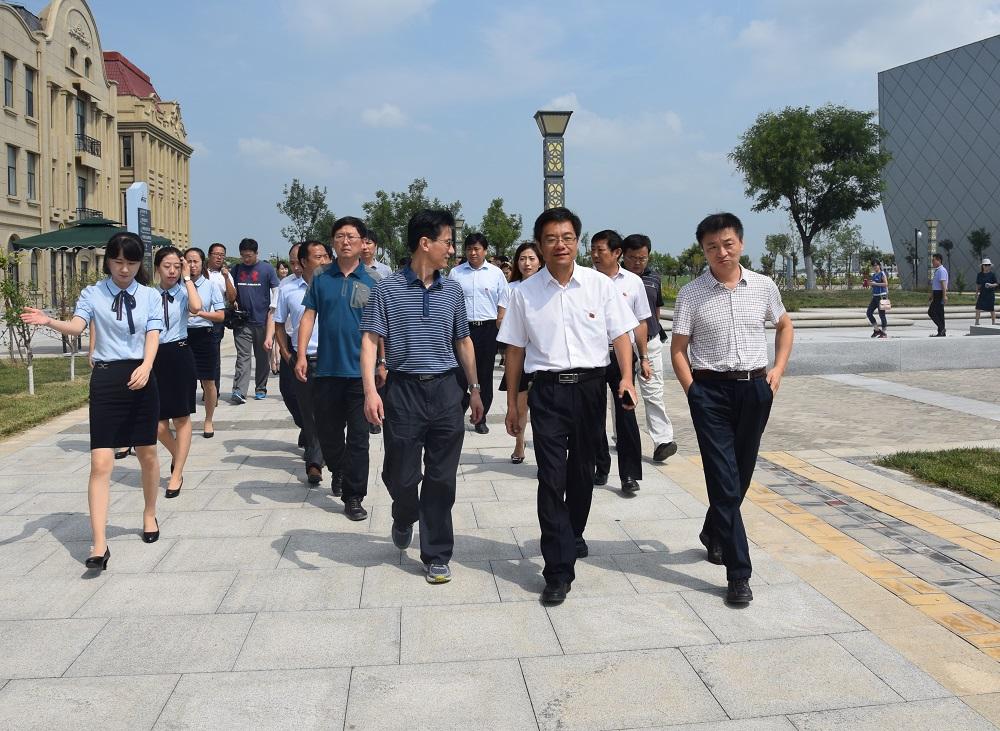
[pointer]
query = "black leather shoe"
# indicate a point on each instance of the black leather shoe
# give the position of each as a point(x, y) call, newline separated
point(401, 536)
point(337, 484)
point(173, 493)
point(353, 509)
point(582, 550)
point(555, 592)
point(481, 428)
point(98, 562)
point(663, 451)
point(314, 474)
point(152, 536)
point(630, 486)
point(739, 592)
point(714, 551)
point(600, 478)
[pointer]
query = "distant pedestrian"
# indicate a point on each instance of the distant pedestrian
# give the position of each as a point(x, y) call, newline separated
point(334, 306)
point(124, 402)
point(174, 365)
point(369, 257)
point(218, 272)
point(605, 252)
point(661, 430)
point(422, 318)
point(254, 281)
point(557, 328)
point(986, 288)
point(721, 316)
point(939, 295)
point(482, 284)
point(528, 260)
point(201, 335)
point(880, 291)
point(280, 362)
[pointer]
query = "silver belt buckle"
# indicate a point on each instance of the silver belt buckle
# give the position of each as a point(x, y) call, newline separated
point(745, 379)
point(568, 378)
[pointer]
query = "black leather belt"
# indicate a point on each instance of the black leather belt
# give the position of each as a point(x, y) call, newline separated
point(706, 375)
point(419, 376)
point(481, 323)
point(578, 375)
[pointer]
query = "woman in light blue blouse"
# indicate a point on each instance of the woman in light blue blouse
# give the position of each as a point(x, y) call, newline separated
point(201, 336)
point(124, 402)
point(174, 364)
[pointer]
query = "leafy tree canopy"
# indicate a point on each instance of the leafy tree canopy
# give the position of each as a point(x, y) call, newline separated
point(501, 229)
point(307, 211)
point(388, 214)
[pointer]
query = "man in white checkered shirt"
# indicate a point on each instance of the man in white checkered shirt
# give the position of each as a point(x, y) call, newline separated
point(721, 316)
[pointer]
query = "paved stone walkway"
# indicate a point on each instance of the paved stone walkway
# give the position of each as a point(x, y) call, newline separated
point(263, 606)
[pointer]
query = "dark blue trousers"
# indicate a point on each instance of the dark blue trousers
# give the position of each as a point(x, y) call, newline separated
point(729, 418)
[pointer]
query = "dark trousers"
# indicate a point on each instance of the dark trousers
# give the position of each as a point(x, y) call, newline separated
point(423, 420)
point(484, 341)
point(566, 425)
point(218, 333)
point(629, 445)
point(307, 410)
point(936, 309)
point(339, 405)
point(729, 418)
point(289, 391)
point(872, 307)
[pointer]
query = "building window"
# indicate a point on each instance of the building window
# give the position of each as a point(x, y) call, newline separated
point(8, 81)
point(84, 269)
point(126, 151)
point(52, 278)
point(11, 170)
point(86, 67)
point(30, 76)
point(34, 269)
point(81, 116)
point(13, 268)
point(32, 176)
point(72, 58)
point(81, 192)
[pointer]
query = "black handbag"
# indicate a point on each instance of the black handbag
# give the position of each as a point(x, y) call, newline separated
point(235, 317)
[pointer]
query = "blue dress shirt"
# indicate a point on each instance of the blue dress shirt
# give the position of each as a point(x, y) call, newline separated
point(483, 288)
point(212, 300)
point(123, 317)
point(289, 311)
point(174, 309)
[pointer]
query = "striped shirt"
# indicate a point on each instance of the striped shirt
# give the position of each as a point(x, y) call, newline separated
point(419, 324)
point(726, 326)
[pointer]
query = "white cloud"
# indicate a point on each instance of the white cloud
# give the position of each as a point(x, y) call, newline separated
point(305, 160)
point(590, 130)
point(321, 18)
point(387, 115)
point(200, 148)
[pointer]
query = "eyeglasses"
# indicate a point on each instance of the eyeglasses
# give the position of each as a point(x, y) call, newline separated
point(446, 242)
point(347, 237)
point(553, 240)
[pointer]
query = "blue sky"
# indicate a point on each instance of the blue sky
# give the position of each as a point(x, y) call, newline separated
point(357, 95)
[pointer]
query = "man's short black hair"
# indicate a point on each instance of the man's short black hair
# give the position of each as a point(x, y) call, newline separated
point(557, 215)
point(213, 247)
point(248, 245)
point(292, 248)
point(719, 222)
point(634, 242)
point(358, 224)
point(613, 240)
point(476, 238)
point(372, 236)
point(427, 223)
point(304, 247)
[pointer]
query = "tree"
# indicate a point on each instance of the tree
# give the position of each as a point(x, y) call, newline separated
point(745, 261)
point(307, 210)
point(779, 245)
point(15, 297)
point(388, 214)
point(822, 166)
point(947, 245)
point(664, 264)
point(501, 229)
point(767, 265)
point(848, 242)
point(824, 252)
point(979, 240)
point(692, 260)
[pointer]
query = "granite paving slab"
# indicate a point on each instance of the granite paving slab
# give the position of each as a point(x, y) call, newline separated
point(38, 648)
point(294, 591)
point(945, 713)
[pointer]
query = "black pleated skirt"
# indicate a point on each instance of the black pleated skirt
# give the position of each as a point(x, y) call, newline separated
point(174, 369)
point(120, 417)
point(205, 348)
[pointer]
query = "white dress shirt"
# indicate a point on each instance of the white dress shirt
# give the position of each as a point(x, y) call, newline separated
point(562, 328)
point(220, 279)
point(483, 288)
point(633, 291)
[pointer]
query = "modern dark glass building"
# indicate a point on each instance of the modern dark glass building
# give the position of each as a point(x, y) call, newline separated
point(942, 115)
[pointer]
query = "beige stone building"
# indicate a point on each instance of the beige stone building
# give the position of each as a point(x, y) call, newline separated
point(63, 130)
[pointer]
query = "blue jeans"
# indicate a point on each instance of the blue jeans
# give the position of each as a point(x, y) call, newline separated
point(872, 306)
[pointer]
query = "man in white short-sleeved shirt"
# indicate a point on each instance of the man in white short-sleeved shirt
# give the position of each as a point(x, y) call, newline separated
point(557, 326)
point(721, 316)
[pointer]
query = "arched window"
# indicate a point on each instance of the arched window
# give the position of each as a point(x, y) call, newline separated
point(86, 67)
point(72, 57)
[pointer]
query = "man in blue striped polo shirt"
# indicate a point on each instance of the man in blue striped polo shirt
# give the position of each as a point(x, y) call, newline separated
point(422, 318)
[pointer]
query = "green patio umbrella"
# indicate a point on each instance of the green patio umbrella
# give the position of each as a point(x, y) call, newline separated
point(89, 233)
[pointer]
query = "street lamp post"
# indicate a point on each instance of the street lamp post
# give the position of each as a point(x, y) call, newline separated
point(932, 227)
point(552, 125)
point(459, 228)
point(916, 257)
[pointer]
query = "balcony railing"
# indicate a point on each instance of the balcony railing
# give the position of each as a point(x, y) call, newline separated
point(82, 213)
point(88, 145)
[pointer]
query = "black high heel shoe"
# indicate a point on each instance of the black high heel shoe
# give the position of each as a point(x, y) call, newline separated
point(175, 493)
point(98, 562)
point(152, 536)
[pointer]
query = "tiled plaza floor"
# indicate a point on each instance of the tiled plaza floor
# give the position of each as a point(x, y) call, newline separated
point(262, 606)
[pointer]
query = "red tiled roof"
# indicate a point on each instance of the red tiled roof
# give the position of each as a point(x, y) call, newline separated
point(132, 81)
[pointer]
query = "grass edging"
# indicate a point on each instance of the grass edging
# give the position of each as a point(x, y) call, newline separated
point(974, 471)
point(54, 395)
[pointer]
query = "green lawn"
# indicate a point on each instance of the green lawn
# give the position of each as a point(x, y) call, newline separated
point(54, 393)
point(974, 472)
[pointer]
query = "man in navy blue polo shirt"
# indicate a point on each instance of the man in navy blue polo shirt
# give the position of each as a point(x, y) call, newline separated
point(422, 318)
point(337, 298)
